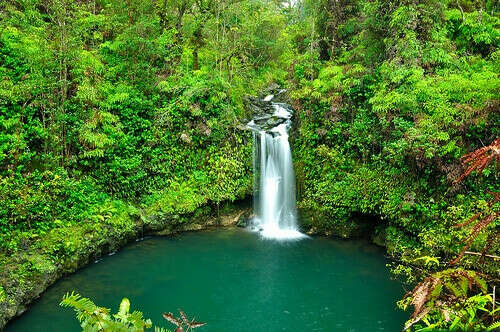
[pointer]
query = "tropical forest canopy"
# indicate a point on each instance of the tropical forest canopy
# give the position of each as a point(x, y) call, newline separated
point(116, 112)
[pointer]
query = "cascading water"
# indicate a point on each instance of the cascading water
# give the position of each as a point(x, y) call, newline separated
point(274, 180)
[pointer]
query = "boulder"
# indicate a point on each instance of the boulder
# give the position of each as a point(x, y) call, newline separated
point(245, 218)
point(262, 108)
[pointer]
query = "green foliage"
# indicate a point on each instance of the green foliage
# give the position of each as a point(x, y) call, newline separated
point(443, 301)
point(2, 294)
point(389, 94)
point(40, 201)
point(99, 319)
point(94, 318)
point(227, 167)
point(385, 116)
point(108, 106)
point(99, 102)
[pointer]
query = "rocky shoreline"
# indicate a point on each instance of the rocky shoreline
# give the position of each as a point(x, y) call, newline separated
point(27, 274)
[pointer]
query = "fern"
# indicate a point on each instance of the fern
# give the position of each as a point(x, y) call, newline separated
point(161, 329)
point(96, 134)
point(87, 312)
point(444, 297)
point(183, 323)
point(478, 161)
point(93, 318)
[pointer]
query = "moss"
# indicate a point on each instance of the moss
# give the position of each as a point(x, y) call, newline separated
point(41, 264)
point(379, 236)
point(3, 296)
point(27, 273)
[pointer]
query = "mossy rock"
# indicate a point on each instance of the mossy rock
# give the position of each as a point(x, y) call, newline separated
point(316, 223)
point(379, 236)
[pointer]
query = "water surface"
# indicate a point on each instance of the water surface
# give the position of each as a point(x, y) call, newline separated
point(236, 281)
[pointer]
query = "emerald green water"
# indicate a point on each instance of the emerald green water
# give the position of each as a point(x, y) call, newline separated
point(235, 281)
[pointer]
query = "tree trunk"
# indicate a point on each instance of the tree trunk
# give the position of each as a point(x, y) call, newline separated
point(196, 65)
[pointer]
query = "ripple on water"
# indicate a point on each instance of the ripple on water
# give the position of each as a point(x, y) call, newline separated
point(235, 281)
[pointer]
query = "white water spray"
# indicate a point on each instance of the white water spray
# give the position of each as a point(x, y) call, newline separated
point(274, 180)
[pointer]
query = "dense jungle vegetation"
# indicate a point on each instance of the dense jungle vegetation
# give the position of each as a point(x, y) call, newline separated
point(118, 116)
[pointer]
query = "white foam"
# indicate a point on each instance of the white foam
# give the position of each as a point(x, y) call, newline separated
point(271, 232)
point(281, 112)
point(274, 180)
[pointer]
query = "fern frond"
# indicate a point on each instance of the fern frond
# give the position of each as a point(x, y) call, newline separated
point(123, 310)
point(78, 303)
point(137, 320)
point(171, 318)
point(161, 329)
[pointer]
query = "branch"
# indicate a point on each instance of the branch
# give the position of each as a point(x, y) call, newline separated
point(461, 10)
point(479, 254)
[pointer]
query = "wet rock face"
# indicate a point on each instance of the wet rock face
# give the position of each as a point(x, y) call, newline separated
point(258, 106)
point(263, 109)
point(245, 218)
point(279, 94)
point(269, 122)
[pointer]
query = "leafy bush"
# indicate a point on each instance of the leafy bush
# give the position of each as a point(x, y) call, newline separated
point(98, 319)
point(94, 318)
point(442, 301)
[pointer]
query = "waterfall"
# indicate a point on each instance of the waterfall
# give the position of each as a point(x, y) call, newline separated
point(274, 179)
